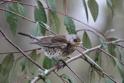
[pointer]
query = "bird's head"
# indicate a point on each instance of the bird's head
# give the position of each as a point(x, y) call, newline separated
point(73, 39)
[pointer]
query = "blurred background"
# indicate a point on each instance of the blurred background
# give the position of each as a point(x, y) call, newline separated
point(105, 21)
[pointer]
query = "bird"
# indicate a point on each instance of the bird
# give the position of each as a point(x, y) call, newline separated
point(56, 47)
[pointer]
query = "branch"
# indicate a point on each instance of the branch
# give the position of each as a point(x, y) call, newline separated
point(71, 59)
point(30, 36)
point(17, 15)
point(72, 71)
point(75, 58)
point(111, 56)
point(88, 59)
point(60, 77)
point(21, 51)
point(94, 32)
point(12, 1)
point(5, 10)
point(35, 79)
point(60, 13)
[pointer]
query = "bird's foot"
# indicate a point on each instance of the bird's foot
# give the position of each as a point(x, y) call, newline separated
point(60, 64)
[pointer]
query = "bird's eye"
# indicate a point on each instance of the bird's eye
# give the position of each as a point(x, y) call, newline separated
point(76, 40)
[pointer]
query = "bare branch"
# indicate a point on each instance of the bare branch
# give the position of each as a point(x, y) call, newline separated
point(21, 51)
point(59, 77)
point(95, 66)
point(63, 14)
point(17, 15)
point(72, 71)
point(5, 10)
point(35, 79)
point(75, 58)
point(88, 59)
point(107, 53)
point(93, 31)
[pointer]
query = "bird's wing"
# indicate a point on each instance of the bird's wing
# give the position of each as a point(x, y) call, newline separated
point(53, 45)
point(56, 41)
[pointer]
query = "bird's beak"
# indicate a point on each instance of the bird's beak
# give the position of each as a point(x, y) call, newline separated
point(79, 43)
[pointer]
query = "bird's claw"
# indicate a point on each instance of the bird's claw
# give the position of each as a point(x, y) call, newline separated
point(60, 64)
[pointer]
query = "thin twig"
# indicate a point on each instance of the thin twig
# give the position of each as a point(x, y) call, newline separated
point(87, 59)
point(59, 76)
point(20, 50)
point(107, 53)
point(5, 10)
point(58, 13)
point(114, 58)
point(75, 58)
point(72, 71)
point(30, 36)
point(12, 1)
point(40, 49)
point(65, 6)
point(95, 66)
point(35, 79)
point(18, 15)
point(94, 32)
point(90, 61)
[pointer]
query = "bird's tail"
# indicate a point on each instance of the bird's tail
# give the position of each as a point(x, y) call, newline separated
point(27, 35)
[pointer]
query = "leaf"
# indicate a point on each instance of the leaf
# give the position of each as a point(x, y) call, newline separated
point(98, 57)
point(23, 66)
point(11, 17)
point(111, 5)
point(5, 68)
point(93, 6)
point(66, 77)
point(91, 75)
point(86, 40)
point(48, 63)
point(40, 29)
point(31, 67)
point(120, 68)
point(103, 44)
point(70, 26)
point(34, 55)
point(123, 80)
point(47, 80)
point(28, 66)
point(40, 18)
point(54, 21)
point(53, 17)
point(111, 50)
point(86, 10)
point(108, 80)
point(39, 13)
point(52, 5)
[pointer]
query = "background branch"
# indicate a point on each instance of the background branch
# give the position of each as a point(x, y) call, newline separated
point(63, 14)
point(21, 51)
